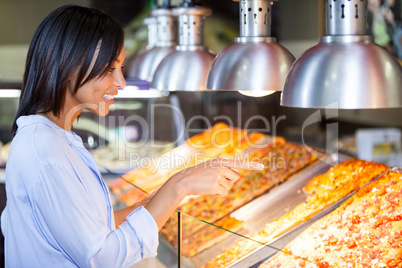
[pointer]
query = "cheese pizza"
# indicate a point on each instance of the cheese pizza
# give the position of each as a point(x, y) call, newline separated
point(323, 190)
point(218, 141)
point(281, 159)
point(365, 231)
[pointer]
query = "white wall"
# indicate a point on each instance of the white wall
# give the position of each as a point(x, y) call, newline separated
point(20, 18)
point(298, 19)
point(18, 22)
point(12, 62)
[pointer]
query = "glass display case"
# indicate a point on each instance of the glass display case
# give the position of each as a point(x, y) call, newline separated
point(269, 222)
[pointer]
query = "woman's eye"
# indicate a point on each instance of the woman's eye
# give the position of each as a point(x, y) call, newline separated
point(111, 70)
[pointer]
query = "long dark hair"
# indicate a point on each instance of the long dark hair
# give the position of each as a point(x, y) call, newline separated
point(61, 49)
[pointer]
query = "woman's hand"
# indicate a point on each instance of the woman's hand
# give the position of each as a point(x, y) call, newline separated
point(211, 177)
point(143, 202)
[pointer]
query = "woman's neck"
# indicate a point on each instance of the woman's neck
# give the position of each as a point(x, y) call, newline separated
point(65, 119)
point(69, 111)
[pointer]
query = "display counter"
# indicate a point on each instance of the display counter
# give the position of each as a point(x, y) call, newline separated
point(263, 212)
point(247, 247)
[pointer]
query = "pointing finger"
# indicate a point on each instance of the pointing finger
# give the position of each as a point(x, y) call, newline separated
point(222, 191)
point(229, 174)
point(224, 182)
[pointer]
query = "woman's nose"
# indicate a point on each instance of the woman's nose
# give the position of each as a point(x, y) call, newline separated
point(120, 81)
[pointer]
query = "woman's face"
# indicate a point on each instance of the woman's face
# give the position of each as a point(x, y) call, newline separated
point(97, 94)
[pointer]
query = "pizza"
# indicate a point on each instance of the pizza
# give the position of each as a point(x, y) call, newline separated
point(218, 141)
point(281, 159)
point(365, 231)
point(210, 235)
point(326, 189)
point(323, 190)
point(217, 138)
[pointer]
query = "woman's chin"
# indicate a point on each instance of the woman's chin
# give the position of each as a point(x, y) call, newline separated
point(103, 113)
point(102, 109)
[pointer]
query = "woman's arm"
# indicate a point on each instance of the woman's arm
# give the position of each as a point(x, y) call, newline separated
point(121, 214)
point(212, 177)
point(74, 218)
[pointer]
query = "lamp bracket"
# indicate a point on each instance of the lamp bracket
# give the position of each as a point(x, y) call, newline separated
point(346, 39)
point(152, 27)
point(255, 18)
point(251, 39)
point(345, 17)
point(166, 27)
point(191, 24)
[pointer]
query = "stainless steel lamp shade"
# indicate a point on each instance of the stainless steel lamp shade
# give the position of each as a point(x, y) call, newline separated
point(346, 68)
point(186, 68)
point(254, 62)
point(183, 70)
point(251, 66)
point(350, 70)
point(145, 64)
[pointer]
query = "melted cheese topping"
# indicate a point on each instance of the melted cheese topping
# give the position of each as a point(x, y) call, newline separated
point(324, 190)
point(366, 231)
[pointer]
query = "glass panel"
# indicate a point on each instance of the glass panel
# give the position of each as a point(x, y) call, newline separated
point(213, 246)
point(246, 209)
point(125, 194)
point(167, 253)
point(209, 242)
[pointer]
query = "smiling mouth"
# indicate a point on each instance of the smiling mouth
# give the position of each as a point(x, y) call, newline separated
point(108, 97)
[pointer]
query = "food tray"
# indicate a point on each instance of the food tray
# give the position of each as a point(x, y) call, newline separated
point(282, 241)
point(268, 207)
point(265, 252)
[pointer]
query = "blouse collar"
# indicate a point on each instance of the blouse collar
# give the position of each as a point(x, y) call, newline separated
point(69, 136)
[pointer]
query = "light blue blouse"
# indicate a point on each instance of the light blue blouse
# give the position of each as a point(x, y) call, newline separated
point(58, 211)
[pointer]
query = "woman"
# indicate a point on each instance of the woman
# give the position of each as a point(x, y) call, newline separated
point(58, 211)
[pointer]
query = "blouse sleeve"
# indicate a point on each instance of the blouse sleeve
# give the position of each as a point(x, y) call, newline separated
point(71, 222)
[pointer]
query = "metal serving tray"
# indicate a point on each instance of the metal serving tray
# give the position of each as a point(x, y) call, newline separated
point(265, 209)
point(264, 253)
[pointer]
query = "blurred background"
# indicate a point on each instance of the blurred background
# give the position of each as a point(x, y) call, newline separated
point(296, 24)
